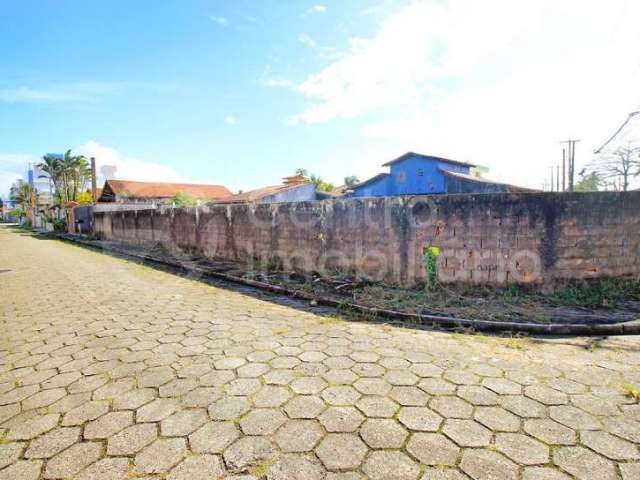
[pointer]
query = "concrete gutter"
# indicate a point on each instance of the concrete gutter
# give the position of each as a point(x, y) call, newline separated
point(422, 320)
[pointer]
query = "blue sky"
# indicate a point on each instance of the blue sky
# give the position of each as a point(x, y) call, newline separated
point(243, 92)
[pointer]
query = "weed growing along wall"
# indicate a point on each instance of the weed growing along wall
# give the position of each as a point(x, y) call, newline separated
point(535, 238)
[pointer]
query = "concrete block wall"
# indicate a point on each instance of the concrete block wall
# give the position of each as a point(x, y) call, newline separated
point(496, 239)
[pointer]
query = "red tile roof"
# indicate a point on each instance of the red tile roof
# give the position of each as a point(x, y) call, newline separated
point(128, 188)
point(260, 193)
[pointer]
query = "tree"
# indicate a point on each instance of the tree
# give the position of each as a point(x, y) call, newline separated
point(320, 184)
point(181, 199)
point(620, 167)
point(69, 175)
point(351, 180)
point(589, 182)
point(303, 172)
point(24, 195)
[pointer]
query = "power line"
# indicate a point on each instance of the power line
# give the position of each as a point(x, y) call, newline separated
point(626, 122)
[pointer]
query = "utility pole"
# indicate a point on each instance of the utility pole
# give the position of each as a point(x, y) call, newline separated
point(564, 168)
point(551, 187)
point(558, 178)
point(571, 160)
point(94, 189)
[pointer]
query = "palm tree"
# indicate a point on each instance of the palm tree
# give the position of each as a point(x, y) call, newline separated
point(69, 175)
point(52, 166)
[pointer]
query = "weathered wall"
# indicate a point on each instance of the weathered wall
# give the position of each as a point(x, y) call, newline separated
point(492, 238)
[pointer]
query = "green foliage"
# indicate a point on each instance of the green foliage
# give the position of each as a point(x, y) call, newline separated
point(181, 199)
point(17, 213)
point(605, 292)
point(84, 198)
point(351, 180)
point(430, 255)
point(59, 225)
point(631, 390)
point(320, 184)
point(588, 183)
point(69, 176)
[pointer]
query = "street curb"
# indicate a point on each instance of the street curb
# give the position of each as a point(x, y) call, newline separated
point(432, 321)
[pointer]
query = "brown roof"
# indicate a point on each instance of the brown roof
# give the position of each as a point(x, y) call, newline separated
point(128, 188)
point(260, 193)
point(510, 188)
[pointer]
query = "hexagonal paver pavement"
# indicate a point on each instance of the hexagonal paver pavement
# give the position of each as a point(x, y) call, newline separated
point(161, 377)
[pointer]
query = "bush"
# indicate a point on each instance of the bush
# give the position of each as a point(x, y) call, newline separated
point(59, 225)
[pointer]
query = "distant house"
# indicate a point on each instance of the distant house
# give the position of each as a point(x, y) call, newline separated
point(127, 191)
point(293, 189)
point(417, 174)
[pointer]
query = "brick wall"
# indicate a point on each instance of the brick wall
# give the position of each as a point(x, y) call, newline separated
point(491, 238)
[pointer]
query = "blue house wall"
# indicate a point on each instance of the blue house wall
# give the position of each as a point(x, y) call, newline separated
point(303, 193)
point(413, 175)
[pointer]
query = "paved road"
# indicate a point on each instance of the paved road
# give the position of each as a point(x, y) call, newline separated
point(110, 370)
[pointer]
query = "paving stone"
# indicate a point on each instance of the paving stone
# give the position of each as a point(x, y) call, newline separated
point(497, 419)
point(441, 473)
point(213, 437)
point(387, 465)
point(340, 395)
point(22, 470)
point(341, 419)
point(182, 423)
point(623, 428)
point(161, 455)
point(177, 387)
point(522, 449)
point(216, 378)
point(44, 398)
point(451, 407)
point(243, 386)
point(368, 370)
point(543, 473)
point(72, 460)
point(401, 378)
point(264, 421)
point(229, 408)
point(420, 418)
point(546, 395)
point(133, 399)
point(9, 453)
point(409, 396)
point(609, 446)
point(299, 435)
point(433, 449)
point(18, 394)
point(305, 406)
point(341, 451)
point(308, 385)
point(270, 396)
point(198, 467)
point(34, 427)
point(461, 377)
point(436, 386)
point(487, 465)
point(596, 405)
point(53, 442)
point(550, 432)
point(249, 451)
point(106, 469)
point(584, 464)
point(524, 407)
point(630, 471)
point(477, 395)
point(108, 425)
point(201, 397)
point(340, 377)
point(296, 467)
point(502, 386)
point(383, 433)
point(426, 370)
point(132, 439)
point(157, 410)
point(86, 412)
point(573, 417)
point(9, 411)
point(114, 389)
point(372, 386)
point(374, 406)
point(467, 433)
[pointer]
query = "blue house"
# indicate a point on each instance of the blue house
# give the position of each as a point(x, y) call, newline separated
point(417, 174)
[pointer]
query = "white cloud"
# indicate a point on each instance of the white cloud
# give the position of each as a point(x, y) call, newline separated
point(317, 9)
point(80, 92)
point(219, 20)
point(496, 82)
point(12, 167)
point(307, 40)
point(127, 167)
point(231, 120)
